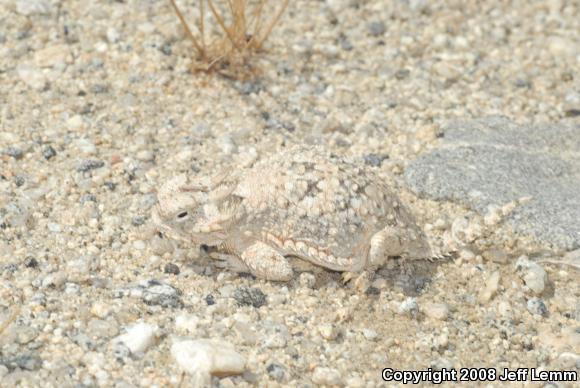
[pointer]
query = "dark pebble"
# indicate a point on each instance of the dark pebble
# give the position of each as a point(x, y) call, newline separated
point(523, 83)
point(88, 198)
point(210, 299)
point(26, 362)
point(110, 185)
point(90, 164)
point(537, 306)
point(250, 87)
point(164, 296)
point(372, 291)
point(374, 160)
point(276, 371)
point(14, 152)
point(48, 152)
point(99, 88)
point(166, 48)
point(376, 28)
point(402, 74)
point(30, 262)
point(19, 180)
point(246, 296)
point(171, 268)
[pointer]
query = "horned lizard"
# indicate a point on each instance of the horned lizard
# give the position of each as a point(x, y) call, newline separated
point(305, 202)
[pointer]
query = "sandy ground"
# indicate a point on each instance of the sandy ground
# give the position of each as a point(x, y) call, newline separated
point(98, 108)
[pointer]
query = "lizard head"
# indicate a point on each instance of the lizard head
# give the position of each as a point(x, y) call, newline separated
point(184, 212)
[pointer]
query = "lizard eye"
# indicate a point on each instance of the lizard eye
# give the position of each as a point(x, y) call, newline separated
point(182, 215)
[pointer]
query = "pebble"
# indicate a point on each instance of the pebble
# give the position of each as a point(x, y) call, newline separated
point(75, 122)
point(409, 306)
point(276, 371)
point(29, 361)
point(171, 268)
point(204, 357)
point(246, 296)
point(370, 334)
point(32, 7)
point(496, 255)
point(25, 334)
point(52, 56)
point(328, 331)
point(439, 311)
point(376, 28)
point(53, 227)
point(90, 164)
point(48, 152)
point(533, 275)
point(30, 262)
point(164, 295)
point(186, 323)
point(374, 160)
point(85, 146)
point(563, 47)
point(139, 337)
point(490, 288)
point(101, 309)
point(307, 280)
point(32, 76)
point(14, 152)
point(145, 156)
point(326, 376)
point(54, 280)
point(536, 306)
point(246, 334)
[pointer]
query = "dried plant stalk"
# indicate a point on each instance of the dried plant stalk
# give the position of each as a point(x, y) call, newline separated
point(243, 32)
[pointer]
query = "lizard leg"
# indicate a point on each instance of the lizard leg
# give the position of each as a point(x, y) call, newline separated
point(266, 263)
point(229, 262)
point(384, 244)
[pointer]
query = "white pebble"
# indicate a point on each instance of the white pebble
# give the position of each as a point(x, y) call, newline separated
point(186, 323)
point(491, 287)
point(138, 337)
point(53, 227)
point(204, 357)
point(101, 309)
point(307, 280)
point(32, 76)
point(327, 331)
point(31, 7)
point(75, 122)
point(533, 275)
point(370, 334)
point(408, 305)
point(438, 311)
point(326, 376)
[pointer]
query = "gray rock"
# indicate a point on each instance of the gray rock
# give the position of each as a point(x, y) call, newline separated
point(276, 371)
point(376, 28)
point(24, 361)
point(537, 306)
point(48, 152)
point(164, 295)
point(90, 164)
point(493, 161)
point(246, 296)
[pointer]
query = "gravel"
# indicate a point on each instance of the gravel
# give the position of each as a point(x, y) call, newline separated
point(99, 107)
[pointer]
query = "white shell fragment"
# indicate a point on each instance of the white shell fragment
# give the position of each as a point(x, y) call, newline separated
point(205, 357)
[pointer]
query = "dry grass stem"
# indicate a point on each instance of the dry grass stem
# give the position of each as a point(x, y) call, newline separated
point(242, 28)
